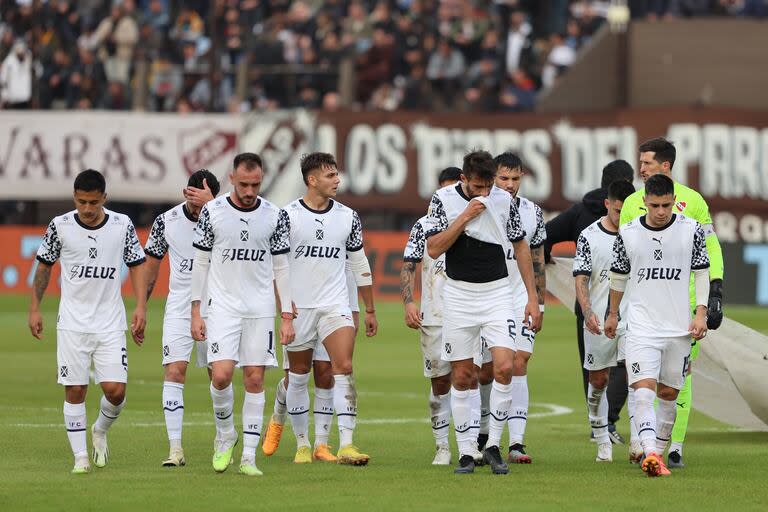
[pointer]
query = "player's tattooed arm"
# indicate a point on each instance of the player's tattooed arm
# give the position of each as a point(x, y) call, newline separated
point(539, 272)
point(407, 275)
point(591, 321)
point(152, 271)
point(39, 285)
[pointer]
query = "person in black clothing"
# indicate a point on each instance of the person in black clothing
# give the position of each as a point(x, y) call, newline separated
point(566, 227)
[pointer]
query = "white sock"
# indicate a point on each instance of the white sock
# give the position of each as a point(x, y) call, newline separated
point(108, 413)
point(440, 409)
point(518, 417)
point(345, 403)
point(173, 409)
point(631, 413)
point(666, 410)
point(485, 404)
point(323, 415)
point(74, 421)
point(297, 401)
point(597, 406)
point(501, 399)
point(645, 416)
point(253, 417)
point(676, 447)
point(280, 405)
point(461, 410)
point(223, 404)
point(476, 401)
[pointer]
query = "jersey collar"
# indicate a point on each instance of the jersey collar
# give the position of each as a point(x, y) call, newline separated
point(187, 214)
point(91, 228)
point(662, 228)
point(252, 208)
point(319, 212)
point(461, 192)
point(605, 230)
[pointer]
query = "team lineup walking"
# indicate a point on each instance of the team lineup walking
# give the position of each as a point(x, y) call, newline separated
point(250, 278)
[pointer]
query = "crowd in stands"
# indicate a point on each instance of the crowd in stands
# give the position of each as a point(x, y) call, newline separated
point(183, 56)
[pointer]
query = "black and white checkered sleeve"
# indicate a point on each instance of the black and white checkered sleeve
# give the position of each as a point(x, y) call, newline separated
point(620, 263)
point(280, 241)
point(355, 238)
point(414, 249)
point(50, 250)
point(203, 239)
point(515, 231)
point(157, 245)
point(540, 233)
point(582, 261)
point(133, 254)
point(700, 259)
point(437, 220)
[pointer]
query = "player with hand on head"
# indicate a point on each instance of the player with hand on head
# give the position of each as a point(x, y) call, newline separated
point(427, 318)
point(172, 233)
point(591, 265)
point(660, 250)
point(323, 233)
point(657, 156)
point(242, 243)
point(509, 173)
point(91, 243)
point(471, 224)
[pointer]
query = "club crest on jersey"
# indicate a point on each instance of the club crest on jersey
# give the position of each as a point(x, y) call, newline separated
point(244, 236)
point(657, 254)
point(319, 229)
point(92, 253)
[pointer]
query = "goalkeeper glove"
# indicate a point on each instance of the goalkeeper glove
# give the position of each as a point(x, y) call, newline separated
point(715, 305)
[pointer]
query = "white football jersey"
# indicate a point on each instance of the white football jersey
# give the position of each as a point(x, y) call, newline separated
point(432, 275)
point(478, 254)
point(319, 244)
point(532, 220)
point(660, 261)
point(91, 260)
point(242, 242)
point(173, 232)
point(594, 255)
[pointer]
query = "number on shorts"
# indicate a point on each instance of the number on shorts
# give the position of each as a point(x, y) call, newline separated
point(271, 342)
point(124, 358)
point(685, 366)
point(527, 333)
point(511, 327)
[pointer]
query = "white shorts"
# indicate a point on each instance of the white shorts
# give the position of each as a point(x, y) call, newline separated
point(314, 325)
point(475, 310)
point(354, 303)
point(601, 352)
point(178, 343)
point(320, 354)
point(663, 359)
point(524, 340)
point(247, 341)
point(76, 350)
point(431, 341)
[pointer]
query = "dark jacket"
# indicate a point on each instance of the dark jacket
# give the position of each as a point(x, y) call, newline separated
point(567, 226)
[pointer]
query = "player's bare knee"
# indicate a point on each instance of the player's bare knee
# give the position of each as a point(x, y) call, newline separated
point(486, 374)
point(221, 378)
point(599, 379)
point(175, 373)
point(667, 393)
point(75, 394)
point(462, 377)
point(520, 366)
point(441, 385)
point(323, 376)
point(114, 392)
point(342, 368)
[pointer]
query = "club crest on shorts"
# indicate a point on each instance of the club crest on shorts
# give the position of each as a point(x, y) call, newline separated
point(590, 359)
point(427, 364)
point(63, 371)
point(214, 348)
point(166, 350)
point(635, 368)
point(448, 348)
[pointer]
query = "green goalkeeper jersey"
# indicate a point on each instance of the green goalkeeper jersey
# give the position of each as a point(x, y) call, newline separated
point(689, 203)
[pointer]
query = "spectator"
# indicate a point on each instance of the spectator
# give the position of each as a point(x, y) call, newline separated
point(117, 97)
point(188, 26)
point(561, 56)
point(519, 46)
point(445, 68)
point(519, 95)
point(87, 81)
point(375, 66)
point(16, 78)
point(417, 91)
point(117, 36)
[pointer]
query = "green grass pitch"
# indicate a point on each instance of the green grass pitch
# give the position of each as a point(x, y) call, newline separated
point(726, 467)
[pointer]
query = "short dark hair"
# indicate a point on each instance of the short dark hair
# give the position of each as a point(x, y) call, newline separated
point(620, 190)
point(449, 174)
point(659, 185)
point(312, 161)
point(664, 150)
point(90, 180)
point(618, 170)
point(250, 160)
point(509, 160)
point(479, 164)
point(196, 180)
